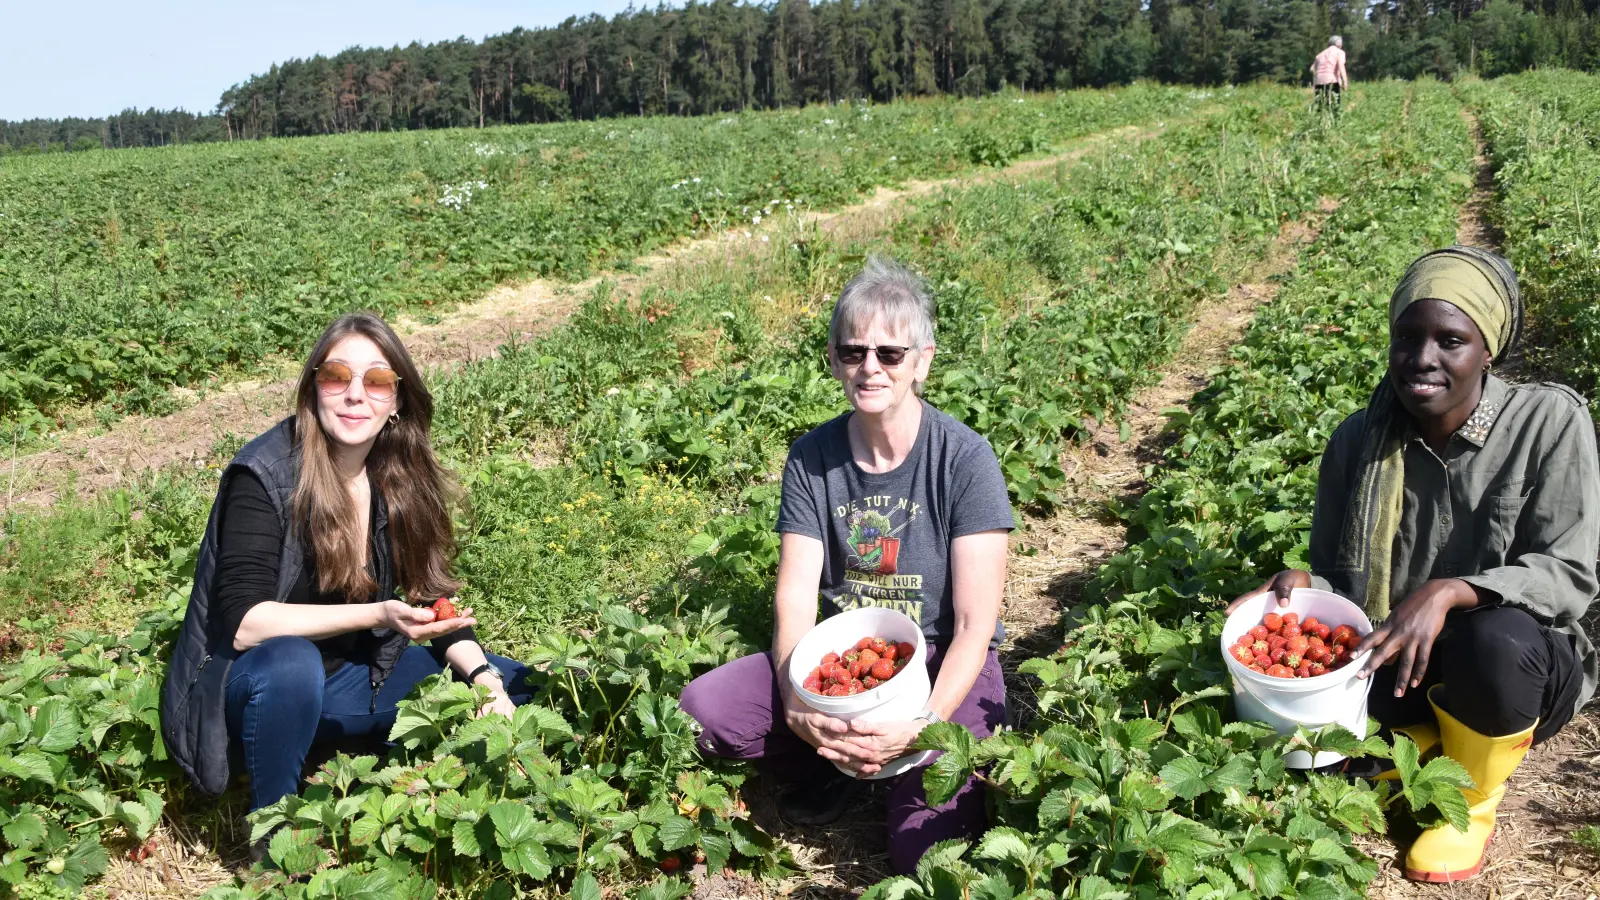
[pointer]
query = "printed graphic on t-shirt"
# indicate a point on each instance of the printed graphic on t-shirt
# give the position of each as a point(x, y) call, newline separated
point(876, 526)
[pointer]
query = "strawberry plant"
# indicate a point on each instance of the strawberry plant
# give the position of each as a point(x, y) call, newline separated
point(129, 273)
point(1543, 132)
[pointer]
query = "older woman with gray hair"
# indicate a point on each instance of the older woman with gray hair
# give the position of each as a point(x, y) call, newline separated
point(1328, 76)
point(897, 465)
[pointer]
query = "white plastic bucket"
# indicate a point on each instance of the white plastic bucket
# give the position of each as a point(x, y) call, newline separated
point(900, 698)
point(1283, 704)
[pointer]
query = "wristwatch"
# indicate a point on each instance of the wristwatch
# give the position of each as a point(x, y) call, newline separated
point(929, 716)
point(491, 668)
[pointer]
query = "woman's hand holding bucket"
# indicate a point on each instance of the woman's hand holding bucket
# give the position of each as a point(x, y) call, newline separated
point(874, 744)
point(861, 747)
point(1280, 584)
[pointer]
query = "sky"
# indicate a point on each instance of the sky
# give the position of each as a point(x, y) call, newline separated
point(90, 58)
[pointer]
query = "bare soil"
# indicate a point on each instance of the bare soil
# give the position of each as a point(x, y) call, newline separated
point(88, 463)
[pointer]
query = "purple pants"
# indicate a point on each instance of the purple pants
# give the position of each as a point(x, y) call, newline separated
point(741, 712)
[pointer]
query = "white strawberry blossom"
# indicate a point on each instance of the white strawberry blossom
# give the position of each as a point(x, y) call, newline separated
point(457, 196)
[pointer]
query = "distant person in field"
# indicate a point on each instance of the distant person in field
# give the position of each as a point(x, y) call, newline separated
point(1328, 76)
point(1463, 513)
point(924, 494)
point(325, 531)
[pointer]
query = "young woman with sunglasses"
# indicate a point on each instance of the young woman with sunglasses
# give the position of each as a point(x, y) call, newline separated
point(892, 504)
point(329, 536)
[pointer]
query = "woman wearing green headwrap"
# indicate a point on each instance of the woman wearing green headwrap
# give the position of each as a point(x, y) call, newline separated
point(1463, 513)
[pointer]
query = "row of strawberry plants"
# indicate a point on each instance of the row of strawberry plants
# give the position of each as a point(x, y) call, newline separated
point(122, 274)
point(1132, 782)
point(481, 824)
point(1543, 132)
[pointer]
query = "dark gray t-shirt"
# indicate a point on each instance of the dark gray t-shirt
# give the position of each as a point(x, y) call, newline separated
point(886, 537)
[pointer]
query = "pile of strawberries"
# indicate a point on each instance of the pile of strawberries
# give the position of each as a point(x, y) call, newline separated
point(871, 662)
point(1282, 646)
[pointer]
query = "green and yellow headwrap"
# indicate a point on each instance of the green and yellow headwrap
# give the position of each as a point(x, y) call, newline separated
point(1482, 285)
point(1478, 282)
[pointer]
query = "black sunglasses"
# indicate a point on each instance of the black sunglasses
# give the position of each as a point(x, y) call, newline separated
point(856, 354)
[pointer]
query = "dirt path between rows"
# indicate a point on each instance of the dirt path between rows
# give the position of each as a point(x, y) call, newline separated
point(88, 464)
point(1557, 789)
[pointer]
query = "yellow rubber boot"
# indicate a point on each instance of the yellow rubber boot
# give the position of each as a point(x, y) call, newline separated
point(1443, 854)
point(1425, 735)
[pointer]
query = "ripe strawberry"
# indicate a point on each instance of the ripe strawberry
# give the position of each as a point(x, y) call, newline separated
point(1318, 669)
point(1290, 631)
point(883, 669)
point(830, 657)
point(1345, 635)
point(900, 662)
point(1263, 660)
point(443, 608)
point(904, 650)
point(864, 643)
point(890, 651)
point(1298, 644)
point(1278, 654)
point(1259, 647)
point(877, 646)
point(869, 682)
point(1260, 632)
point(813, 682)
point(1273, 621)
point(850, 656)
point(1258, 670)
point(1309, 623)
point(1303, 670)
point(856, 668)
point(1323, 630)
point(1280, 671)
point(1243, 655)
point(1277, 640)
point(670, 864)
point(855, 686)
point(1291, 618)
point(1339, 651)
point(1316, 642)
point(1292, 659)
point(867, 658)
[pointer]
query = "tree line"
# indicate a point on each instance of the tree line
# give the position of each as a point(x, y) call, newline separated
point(711, 56)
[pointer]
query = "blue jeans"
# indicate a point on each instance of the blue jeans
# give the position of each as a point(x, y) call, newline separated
point(280, 703)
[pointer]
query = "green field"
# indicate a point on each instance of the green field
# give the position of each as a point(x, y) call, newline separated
point(643, 554)
point(123, 274)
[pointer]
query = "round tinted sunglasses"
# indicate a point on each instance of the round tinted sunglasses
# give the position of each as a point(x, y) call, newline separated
point(856, 354)
point(378, 383)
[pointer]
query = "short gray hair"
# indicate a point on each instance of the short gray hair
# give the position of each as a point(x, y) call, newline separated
point(1336, 41)
point(888, 290)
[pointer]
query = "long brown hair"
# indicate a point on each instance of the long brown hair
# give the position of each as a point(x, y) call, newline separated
point(401, 468)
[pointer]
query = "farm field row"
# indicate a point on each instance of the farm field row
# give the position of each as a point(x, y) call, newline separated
point(1543, 129)
point(123, 274)
point(1043, 327)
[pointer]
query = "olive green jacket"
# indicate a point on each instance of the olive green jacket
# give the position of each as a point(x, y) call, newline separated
point(1512, 507)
